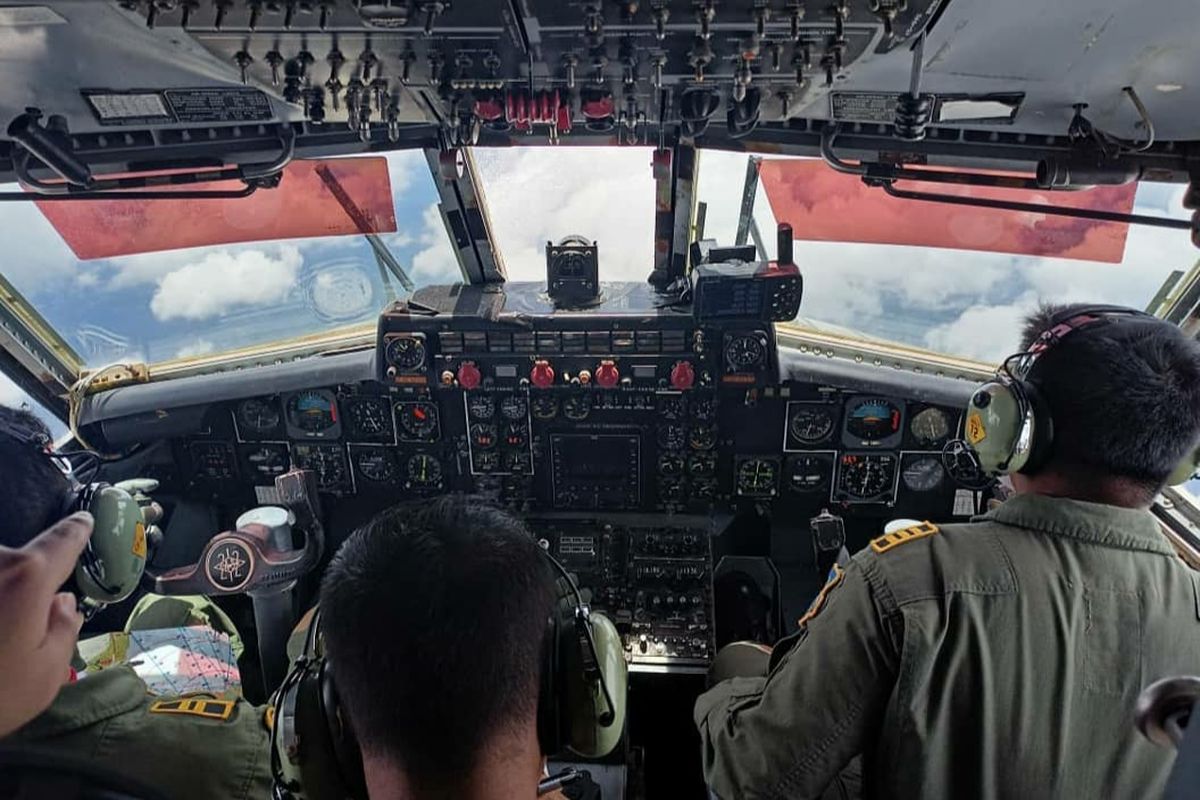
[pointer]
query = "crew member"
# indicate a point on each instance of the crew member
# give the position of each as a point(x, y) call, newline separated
point(203, 748)
point(434, 618)
point(1000, 658)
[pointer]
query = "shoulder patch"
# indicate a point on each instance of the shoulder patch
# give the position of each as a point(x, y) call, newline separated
point(897, 538)
point(836, 576)
point(196, 707)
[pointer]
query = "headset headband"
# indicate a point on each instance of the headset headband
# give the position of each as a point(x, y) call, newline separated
point(1063, 324)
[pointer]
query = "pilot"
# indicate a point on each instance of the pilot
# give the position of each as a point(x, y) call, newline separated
point(1001, 658)
point(204, 748)
point(440, 680)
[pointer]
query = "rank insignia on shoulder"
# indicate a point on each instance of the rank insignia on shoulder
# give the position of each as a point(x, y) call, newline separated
point(836, 576)
point(196, 707)
point(897, 538)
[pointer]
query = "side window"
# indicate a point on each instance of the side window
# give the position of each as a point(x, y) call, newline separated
point(14, 396)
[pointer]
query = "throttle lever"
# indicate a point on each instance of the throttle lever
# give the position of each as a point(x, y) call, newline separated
point(256, 557)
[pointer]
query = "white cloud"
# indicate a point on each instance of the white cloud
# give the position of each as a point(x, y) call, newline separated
point(436, 262)
point(200, 347)
point(222, 281)
point(989, 333)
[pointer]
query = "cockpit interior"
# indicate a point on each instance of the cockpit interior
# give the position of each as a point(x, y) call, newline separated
point(698, 289)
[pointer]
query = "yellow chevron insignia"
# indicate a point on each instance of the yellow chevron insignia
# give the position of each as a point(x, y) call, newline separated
point(897, 538)
point(196, 707)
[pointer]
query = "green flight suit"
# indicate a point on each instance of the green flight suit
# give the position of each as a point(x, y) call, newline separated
point(997, 659)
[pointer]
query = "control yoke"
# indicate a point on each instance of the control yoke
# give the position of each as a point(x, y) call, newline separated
point(258, 555)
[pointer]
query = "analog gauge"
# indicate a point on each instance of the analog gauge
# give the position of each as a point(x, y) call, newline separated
point(424, 471)
point(704, 409)
point(406, 353)
point(702, 465)
point(923, 474)
point(670, 464)
point(481, 406)
point(702, 437)
point(486, 461)
point(418, 421)
point(757, 477)
point(368, 418)
point(810, 423)
point(516, 462)
point(265, 462)
point(375, 464)
point(212, 460)
point(671, 491)
point(809, 473)
point(866, 476)
point(545, 407)
point(513, 407)
point(930, 427)
point(672, 407)
point(258, 416)
point(312, 413)
point(873, 419)
point(577, 407)
point(671, 437)
point(516, 434)
point(744, 353)
point(327, 461)
point(704, 489)
point(483, 435)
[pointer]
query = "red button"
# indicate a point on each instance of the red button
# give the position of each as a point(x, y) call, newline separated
point(542, 374)
point(607, 374)
point(682, 375)
point(469, 375)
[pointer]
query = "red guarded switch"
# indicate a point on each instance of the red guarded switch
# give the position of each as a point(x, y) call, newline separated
point(683, 375)
point(607, 374)
point(469, 375)
point(542, 374)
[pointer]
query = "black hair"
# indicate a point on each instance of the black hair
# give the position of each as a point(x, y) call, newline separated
point(1124, 396)
point(32, 488)
point(434, 616)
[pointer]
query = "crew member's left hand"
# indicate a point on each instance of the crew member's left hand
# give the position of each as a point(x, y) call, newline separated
point(39, 625)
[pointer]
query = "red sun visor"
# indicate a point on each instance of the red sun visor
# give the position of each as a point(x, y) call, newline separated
point(824, 205)
point(320, 197)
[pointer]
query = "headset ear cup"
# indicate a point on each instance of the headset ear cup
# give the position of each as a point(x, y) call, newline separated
point(548, 710)
point(118, 543)
point(1186, 469)
point(585, 701)
point(1041, 434)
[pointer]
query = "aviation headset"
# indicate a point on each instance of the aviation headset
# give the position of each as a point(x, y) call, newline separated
point(581, 702)
point(111, 565)
point(1008, 423)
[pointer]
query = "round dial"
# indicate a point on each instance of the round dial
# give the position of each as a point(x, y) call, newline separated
point(704, 489)
point(702, 437)
point(418, 420)
point(577, 407)
point(923, 474)
point(930, 427)
point(704, 409)
point(516, 461)
point(873, 419)
point(545, 407)
point(744, 353)
point(670, 464)
point(375, 464)
point(513, 407)
point(312, 412)
point(516, 434)
point(369, 416)
point(866, 476)
point(424, 471)
point(810, 424)
point(672, 407)
point(756, 477)
point(671, 437)
point(327, 461)
point(671, 491)
point(486, 461)
point(809, 473)
point(703, 465)
point(481, 406)
point(483, 435)
point(406, 353)
point(267, 461)
point(258, 415)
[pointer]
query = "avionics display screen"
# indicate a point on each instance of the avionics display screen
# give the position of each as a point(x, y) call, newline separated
point(595, 459)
